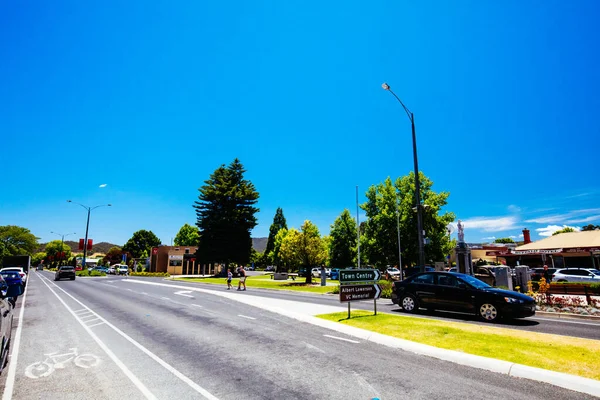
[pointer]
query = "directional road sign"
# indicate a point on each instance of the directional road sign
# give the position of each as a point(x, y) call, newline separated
point(359, 275)
point(359, 292)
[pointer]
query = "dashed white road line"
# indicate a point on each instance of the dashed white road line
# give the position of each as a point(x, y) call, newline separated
point(196, 305)
point(341, 338)
point(165, 298)
point(244, 316)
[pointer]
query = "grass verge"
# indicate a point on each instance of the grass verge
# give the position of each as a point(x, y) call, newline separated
point(552, 352)
point(265, 282)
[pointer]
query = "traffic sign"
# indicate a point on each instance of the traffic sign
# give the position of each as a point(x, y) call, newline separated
point(359, 275)
point(359, 292)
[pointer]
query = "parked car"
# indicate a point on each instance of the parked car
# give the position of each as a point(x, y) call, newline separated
point(7, 293)
point(111, 271)
point(270, 268)
point(316, 272)
point(393, 273)
point(65, 271)
point(101, 269)
point(452, 291)
point(122, 270)
point(415, 270)
point(12, 278)
point(485, 274)
point(588, 275)
point(334, 274)
point(21, 272)
point(302, 272)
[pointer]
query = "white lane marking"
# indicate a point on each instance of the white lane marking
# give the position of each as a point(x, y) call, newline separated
point(90, 320)
point(12, 367)
point(54, 361)
point(363, 382)
point(87, 316)
point(165, 298)
point(78, 311)
point(243, 316)
point(183, 293)
point(341, 338)
point(565, 321)
point(142, 388)
point(196, 305)
point(150, 354)
point(310, 346)
point(99, 323)
point(131, 290)
point(144, 293)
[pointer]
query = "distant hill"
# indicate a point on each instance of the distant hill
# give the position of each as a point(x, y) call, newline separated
point(101, 247)
point(259, 244)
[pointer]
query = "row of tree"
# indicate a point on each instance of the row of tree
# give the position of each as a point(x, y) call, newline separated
point(226, 210)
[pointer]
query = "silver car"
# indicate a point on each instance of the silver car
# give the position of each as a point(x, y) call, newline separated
point(588, 275)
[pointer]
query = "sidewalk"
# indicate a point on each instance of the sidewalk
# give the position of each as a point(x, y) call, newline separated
point(306, 312)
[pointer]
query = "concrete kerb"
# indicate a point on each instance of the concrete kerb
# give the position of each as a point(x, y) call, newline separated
point(566, 316)
point(567, 381)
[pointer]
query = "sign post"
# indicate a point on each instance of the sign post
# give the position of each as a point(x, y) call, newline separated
point(359, 284)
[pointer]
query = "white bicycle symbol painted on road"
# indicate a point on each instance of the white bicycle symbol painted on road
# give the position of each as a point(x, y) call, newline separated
point(54, 360)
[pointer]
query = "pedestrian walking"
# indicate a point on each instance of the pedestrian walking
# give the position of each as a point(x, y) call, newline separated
point(242, 281)
point(229, 277)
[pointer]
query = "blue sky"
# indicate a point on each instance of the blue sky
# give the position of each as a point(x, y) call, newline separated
point(150, 97)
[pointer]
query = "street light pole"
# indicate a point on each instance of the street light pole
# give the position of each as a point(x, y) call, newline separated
point(399, 248)
point(411, 116)
point(87, 225)
point(62, 241)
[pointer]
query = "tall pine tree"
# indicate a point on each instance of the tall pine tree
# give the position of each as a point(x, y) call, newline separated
point(225, 216)
point(278, 224)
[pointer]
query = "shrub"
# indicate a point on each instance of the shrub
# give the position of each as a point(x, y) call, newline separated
point(82, 273)
point(336, 289)
point(150, 274)
point(97, 273)
point(386, 289)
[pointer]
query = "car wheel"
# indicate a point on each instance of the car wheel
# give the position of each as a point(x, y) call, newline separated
point(409, 303)
point(488, 312)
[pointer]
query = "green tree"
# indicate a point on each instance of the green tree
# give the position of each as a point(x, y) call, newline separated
point(590, 227)
point(37, 258)
point(504, 240)
point(187, 236)
point(54, 250)
point(566, 229)
point(278, 224)
point(225, 213)
point(274, 255)
point(287, 245)
point(380, 237)
point(312, 249)
point(114, 256)
point(342, 249)
point(16, 240)
point(140, 241)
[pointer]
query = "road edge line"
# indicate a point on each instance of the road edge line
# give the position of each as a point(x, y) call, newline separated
point(134, 379)
point(14, 356)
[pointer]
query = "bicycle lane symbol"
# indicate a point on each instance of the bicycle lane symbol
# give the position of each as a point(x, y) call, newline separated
point(41, 369)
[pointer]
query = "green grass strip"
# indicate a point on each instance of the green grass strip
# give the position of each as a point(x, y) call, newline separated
point(552, 352)
point(265, 282)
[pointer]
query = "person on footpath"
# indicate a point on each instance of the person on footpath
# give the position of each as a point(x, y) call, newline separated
point(547, 274)
point(242, 278)
point(229, 278)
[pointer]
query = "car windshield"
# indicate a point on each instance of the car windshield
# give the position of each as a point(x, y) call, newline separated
point(474, 282)
point(595, 271)
point(393, 269)
point(9, 275)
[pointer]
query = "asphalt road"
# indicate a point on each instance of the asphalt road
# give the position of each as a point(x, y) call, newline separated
point(118, 339)
point(544, 324)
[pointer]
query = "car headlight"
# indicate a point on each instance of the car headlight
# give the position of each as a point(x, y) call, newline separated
point(512, 300)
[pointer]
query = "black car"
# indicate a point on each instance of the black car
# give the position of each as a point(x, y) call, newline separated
point(6, 317)
point(459, 292)
point(66, 271)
